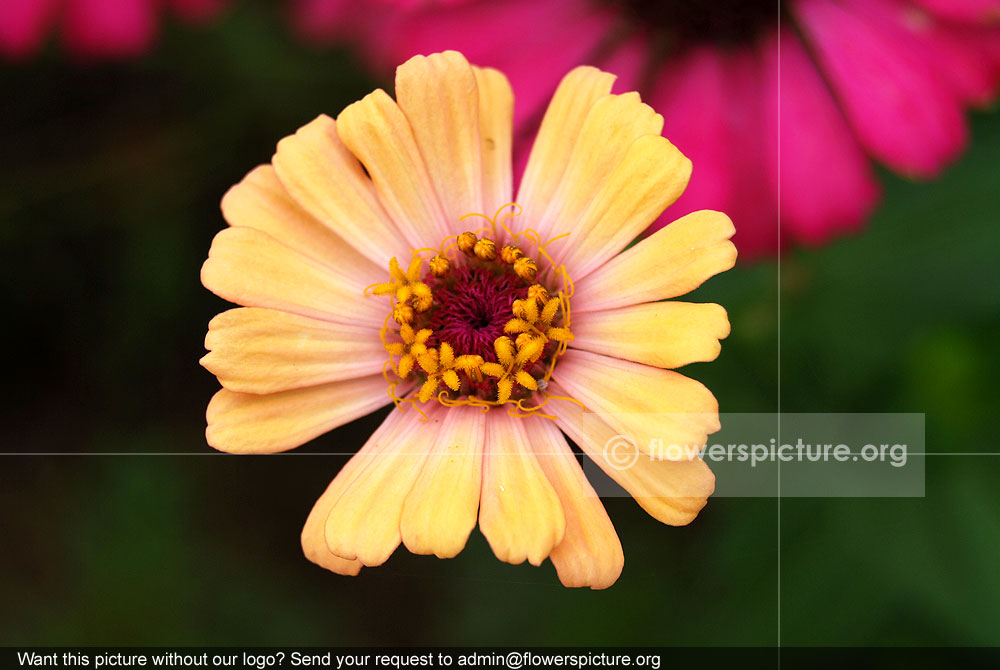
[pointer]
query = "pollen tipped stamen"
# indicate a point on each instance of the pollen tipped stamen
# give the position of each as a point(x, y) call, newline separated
point(443, 319)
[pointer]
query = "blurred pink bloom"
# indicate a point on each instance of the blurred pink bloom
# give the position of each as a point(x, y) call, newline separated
point(92, 28)
point(839, 82)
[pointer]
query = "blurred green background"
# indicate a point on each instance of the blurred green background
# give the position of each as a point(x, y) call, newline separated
point(109, 192)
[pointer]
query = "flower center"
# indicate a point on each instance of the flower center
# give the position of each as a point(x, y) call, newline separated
point(690, 22)
point(471, 307)
point(480, 327)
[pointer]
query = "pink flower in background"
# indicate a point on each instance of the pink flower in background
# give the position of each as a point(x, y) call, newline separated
point(839, 83)
point(92, 28)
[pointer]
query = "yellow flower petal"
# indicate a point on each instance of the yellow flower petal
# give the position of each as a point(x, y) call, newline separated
point(254, 350)
point(519, 513)
point(526, 380)
point(406, 363)
point(378, 133)
point(532, 350)
point(322, 175)
point(428, 388)
point(664, 334)
point(253, 269)
point(440, 98)
point(440, 510)
point(650, 177)
point(492, 369)
point(413, 271)
point(614, 123)
point(446, 354)
point(244, 423)
point(428, 362)
point(672, 492)
point(561, 334)
point(662, 411)
point(515, 326)
point(504, 348)
point(364, 522)
point(504, 388)
point(260, 201)
point(450, 377)
point(669, 263)
point(496, 119)
point(550, 310)
point(395, 272)
point(590, 553)
point(558, 134)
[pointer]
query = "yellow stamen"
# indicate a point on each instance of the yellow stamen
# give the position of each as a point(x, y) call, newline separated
point(509, 254)
point(525, 268)
point(439, 265)
point(403, 313)
point(466, 243)
point(485, 249)
point(538, 319)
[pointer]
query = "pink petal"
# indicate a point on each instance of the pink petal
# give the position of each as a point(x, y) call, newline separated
point(533, 43)
point(964, 11)
point(327, 21)
point(713, 110)
point(24, 25)
point(627, 61)
point(691, 95)
point(826, 182)
point(751, 132)
point(944, 50)
point(197, 11)
point(901, 112)
point(109, 28)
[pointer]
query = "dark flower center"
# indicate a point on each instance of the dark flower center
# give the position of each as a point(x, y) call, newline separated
point(692, 22)
point(471, 307)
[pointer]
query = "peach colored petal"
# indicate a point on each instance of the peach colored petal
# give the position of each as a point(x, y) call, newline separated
point(672, 492)
point(314, 532)
point(378, 133)
point(255, 350)
point(612, 125)
point(260, 201)
point(650, 177)
point(253, 269)
point(519, 513)
point(440, 98)
point(441, 508)
point(553, 146)
point(665, 413)
point(328, 182)
point(496, 112)
point(673, 261)
point(314, 540)
point(244, 423)
point(590, 553)
point(663, 334)
point(364, 522)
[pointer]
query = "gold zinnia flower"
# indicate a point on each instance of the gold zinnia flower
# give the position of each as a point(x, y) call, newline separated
point(475, 340)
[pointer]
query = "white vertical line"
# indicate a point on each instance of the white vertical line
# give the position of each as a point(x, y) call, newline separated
point(779, 331)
